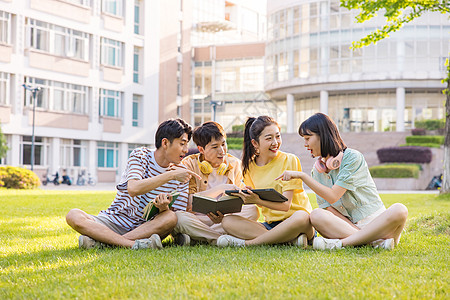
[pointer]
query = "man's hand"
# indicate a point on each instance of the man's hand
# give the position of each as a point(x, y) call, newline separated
point(162, 201)
point(288, 175)
point(216, 218)
point(181, 174)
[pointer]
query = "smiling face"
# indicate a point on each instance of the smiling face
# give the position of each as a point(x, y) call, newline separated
point(176, 150)
point(214, 152)
point(312, 143)
point(269, 142)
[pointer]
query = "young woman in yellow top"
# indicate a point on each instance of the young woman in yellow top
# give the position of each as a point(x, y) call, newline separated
point(262, 163)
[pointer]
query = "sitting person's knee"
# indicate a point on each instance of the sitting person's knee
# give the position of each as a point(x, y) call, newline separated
point(316, 215)
point(401, 212)
point(73, 217)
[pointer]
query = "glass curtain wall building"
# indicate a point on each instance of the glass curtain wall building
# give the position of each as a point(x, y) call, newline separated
point(383, 87)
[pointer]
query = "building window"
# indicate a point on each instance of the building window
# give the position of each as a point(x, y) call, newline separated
point(86, 3)
point(58, 40)
point(4, 88)
point(136, 59)
point(111, 52)
point(136, 109)
point(40, 151)
point(113, 7)
point(110, 103)
point(137, 16)
point(107, 155)
point(5, 27)
point(73, 153)
point(58, 96)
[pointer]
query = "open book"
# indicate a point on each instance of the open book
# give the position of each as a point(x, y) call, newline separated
point(264, 194)
point(150, 210)
point(225, 204)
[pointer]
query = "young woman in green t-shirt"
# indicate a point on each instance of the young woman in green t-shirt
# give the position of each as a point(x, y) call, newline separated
point(350, 210)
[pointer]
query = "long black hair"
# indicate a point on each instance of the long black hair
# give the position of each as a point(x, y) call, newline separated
point(331, 142)
point(253, 129)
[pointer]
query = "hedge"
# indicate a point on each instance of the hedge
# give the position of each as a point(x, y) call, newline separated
point(430, 124)
point(235, 140)
point(426, 139)
point(430, 145)
point(411, 154)
point(395, 171)
point(238, 128)
point(18, 178)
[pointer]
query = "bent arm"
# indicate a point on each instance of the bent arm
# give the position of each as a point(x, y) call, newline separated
point(331, 195)
point(138, 187)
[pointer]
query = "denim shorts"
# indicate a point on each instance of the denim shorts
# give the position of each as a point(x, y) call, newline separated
point(271, 225)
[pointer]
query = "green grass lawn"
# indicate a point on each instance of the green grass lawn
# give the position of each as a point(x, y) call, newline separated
point(40, 259)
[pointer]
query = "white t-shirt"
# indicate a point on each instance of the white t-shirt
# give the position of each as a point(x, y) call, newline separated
point(214, 179)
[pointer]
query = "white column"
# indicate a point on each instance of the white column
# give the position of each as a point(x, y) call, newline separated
point(54, 156)
point(290, 113)
point(92, 158)
point(15, 151)
point(324, 102)
point(400, 109)
point(123, 152)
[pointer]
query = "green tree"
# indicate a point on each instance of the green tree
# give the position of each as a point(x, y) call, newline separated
point(3, 146)
point(398, 13)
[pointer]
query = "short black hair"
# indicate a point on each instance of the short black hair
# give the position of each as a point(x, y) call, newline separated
point(331, 142)
point(206, 132)
point(172, 129)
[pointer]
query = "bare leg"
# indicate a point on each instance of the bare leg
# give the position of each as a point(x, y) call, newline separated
point(387, 225)
point(242, 228)
point(85, 224)
point(331, 226)
point(255, 234)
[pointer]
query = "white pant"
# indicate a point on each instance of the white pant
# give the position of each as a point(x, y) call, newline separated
point(200, 227)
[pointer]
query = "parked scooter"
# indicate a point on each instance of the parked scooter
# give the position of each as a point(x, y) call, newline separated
point(82, 180)
point(55, 179)
point(66, 178)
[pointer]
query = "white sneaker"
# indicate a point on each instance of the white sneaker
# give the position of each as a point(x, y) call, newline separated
point(85, 242)
point(301, 241)
point(387, 244)
point(182, 239)
point(228, 240)
point(321, 243)
point(153, 242)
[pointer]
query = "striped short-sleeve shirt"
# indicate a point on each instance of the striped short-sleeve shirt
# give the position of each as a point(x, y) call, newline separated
point(127, 211)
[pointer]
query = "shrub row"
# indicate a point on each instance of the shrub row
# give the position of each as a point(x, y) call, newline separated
point(411, 154)
point(18, 178)
point(430, 145)
point(426, 139)
point(235, 140)
point(395, 171)
point(430, 124)
point(238, 128)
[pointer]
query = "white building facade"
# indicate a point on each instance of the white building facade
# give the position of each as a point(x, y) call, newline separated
point(96, 64)
point(384, 87)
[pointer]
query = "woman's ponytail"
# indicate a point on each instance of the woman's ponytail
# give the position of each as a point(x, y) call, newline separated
point(248, 151)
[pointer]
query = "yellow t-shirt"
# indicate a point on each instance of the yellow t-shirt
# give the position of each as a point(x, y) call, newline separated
point(262, 177)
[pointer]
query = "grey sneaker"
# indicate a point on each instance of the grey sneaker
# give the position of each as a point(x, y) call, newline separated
point(321, 243)
point(182, 239)
point(387, 244)
point(85, 242)
point(301, 241)
point(153, 242)
point(228, 240)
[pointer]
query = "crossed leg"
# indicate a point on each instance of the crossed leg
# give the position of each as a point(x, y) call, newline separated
point(83, 223)
point(388, 224)
point(255, 233)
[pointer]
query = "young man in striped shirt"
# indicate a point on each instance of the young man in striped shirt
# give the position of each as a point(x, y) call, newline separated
point(151, 175)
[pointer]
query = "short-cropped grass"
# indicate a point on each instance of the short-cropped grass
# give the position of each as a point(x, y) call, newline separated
point(40, 259)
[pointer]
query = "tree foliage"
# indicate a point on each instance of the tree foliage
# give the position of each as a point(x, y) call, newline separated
point(3, 147)
point(397, 14)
